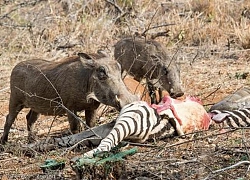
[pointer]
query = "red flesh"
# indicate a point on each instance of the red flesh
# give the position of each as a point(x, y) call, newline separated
point(189, 112)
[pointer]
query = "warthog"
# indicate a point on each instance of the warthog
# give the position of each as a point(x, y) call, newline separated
point(75, 83)
point(140, 90)
point(148, 59)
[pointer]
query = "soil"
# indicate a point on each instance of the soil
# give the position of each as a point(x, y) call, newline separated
point(194, 157)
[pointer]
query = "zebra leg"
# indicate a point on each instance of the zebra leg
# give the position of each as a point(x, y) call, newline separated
point(173, 121)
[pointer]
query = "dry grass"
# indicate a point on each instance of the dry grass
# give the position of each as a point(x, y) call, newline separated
point(210, 40)
point(40, 29)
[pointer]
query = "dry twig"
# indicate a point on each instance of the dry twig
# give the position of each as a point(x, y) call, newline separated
point(213, 92)
point(16, 8)
point(201, 138)
point(76, 144)
point(122, 13)
point(4, 89)
point(227, 168)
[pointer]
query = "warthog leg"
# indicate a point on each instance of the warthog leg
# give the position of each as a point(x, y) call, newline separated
point(31, 117)
point(90, 116)
point(14, 109)
point(74, 123)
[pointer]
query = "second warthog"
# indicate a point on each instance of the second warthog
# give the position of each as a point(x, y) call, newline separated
point(75, 83)
point(147, 59)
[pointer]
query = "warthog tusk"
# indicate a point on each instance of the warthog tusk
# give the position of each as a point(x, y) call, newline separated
point(117, 99)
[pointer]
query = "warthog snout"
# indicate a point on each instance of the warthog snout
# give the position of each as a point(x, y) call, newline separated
point(174, 94)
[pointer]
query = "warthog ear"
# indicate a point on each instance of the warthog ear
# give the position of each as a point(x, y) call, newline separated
point(87, 59)
point(84, 55)
point(102, 53)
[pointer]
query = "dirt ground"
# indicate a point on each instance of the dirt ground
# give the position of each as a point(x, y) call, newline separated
point(208, 71)
point(196, 157)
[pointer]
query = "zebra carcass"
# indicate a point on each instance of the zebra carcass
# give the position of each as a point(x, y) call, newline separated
point(137, 122)
point(232, 119)
point(234, 110)
point(188, 114)
point(238, 100)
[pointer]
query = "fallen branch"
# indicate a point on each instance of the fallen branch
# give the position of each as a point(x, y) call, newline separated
point(122, 13)
point(4, 89)
point(196, 55)
point(184, 162)
point(140, 144)
point(158, 161)
point(218, 87)
point(115, 5)
point(66, 46)
point(229, 167)
point(9, 159)
point(201, 138)
point(231, 151)
point(158, 34)
point(155, 27)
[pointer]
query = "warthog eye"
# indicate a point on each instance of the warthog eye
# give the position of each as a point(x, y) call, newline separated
point(102, 75)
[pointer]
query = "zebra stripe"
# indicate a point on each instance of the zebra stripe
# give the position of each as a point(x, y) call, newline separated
point(242, 121)
point(246, 113)
point(137, 122)
point(235, 118)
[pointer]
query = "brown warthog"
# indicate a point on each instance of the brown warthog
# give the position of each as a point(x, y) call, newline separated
point(140, 90)
point(148, 59)
point(75, 83)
